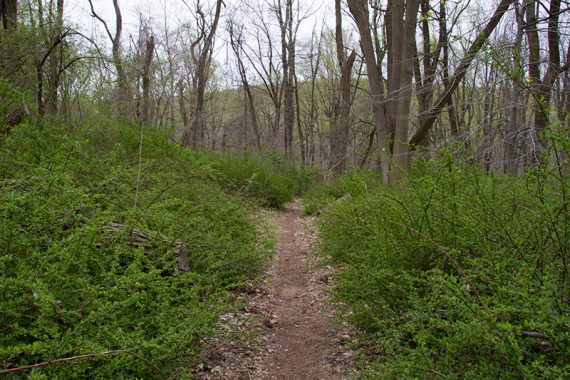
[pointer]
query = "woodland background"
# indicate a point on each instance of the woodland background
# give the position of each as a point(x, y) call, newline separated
point(430, 137)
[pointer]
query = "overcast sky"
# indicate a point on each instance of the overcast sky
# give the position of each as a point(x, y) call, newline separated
point(77, 12)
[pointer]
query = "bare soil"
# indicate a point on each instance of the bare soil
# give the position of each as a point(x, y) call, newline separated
point(297, 338)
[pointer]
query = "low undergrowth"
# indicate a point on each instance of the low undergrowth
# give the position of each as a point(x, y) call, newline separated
point(455, 273)
point(72, 285)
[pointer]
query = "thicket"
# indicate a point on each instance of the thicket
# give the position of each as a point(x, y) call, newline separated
point(453, 272)
point(75, 277)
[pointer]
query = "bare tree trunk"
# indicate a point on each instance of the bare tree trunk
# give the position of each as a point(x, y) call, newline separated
point(118, 60)
point(394, 39)
point(122, 85)
point(236, 42)
point(302, 142)
point(146, 79)
point(486, 141)
point(513, 125)
point(429, 60)
point(186, 138)
point(9, 14)
point(359, 10)
point(541, 88)
point(40, 70)
point(401, 147)
point(315, 61)
point(202, 64)
point(340, 129)
point(443, 38)
point(288, 67)
point(55, 63)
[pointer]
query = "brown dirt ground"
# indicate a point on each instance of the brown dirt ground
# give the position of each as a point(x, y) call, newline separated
point(298, 339)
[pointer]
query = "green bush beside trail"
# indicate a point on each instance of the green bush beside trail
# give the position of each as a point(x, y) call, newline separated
point(448, 272)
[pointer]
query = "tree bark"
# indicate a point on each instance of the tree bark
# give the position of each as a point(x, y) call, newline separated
point(122, 84)
point(302, 142)
point(541, 88)
point(359, 10)
point(406, 55)
point(118, 60)
point(55, 63)
point(9, 14)
point(513, 125)
point(288, 67)
point(340, 129)
point(186, 141)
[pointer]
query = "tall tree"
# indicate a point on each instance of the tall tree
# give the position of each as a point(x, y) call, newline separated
point(340, 127)
point(284, 14)
point(146, 78)
point(359, 10)
point(513, 125)
point(235, 32)
point(122, 83)
point(402, 26)
point(264, 55)
point(201, 52)
point(9, 13)
point(541, 87)
point(55, 61)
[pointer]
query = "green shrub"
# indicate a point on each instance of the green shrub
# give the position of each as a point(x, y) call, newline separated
point(71, 285)
point(446, 271)
point(257, 178)
point(319, 195)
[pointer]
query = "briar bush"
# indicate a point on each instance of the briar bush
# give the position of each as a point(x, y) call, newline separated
point(456, 273)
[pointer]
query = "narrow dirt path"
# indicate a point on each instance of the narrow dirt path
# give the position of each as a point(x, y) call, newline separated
point(285, 331)
point(302, 343)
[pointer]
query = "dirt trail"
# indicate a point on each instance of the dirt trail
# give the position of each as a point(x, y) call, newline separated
point(297, 339)
point(303, 343)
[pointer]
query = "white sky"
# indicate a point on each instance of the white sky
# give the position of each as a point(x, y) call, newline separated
point(77, 12)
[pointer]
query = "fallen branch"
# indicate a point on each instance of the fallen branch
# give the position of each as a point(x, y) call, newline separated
point(80, 357)
point(534, 334)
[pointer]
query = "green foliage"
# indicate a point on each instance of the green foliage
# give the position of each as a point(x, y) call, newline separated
point(446, 271)
point(253, 177)
point(71, 285)
point(269, 178)
point(349, 184)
